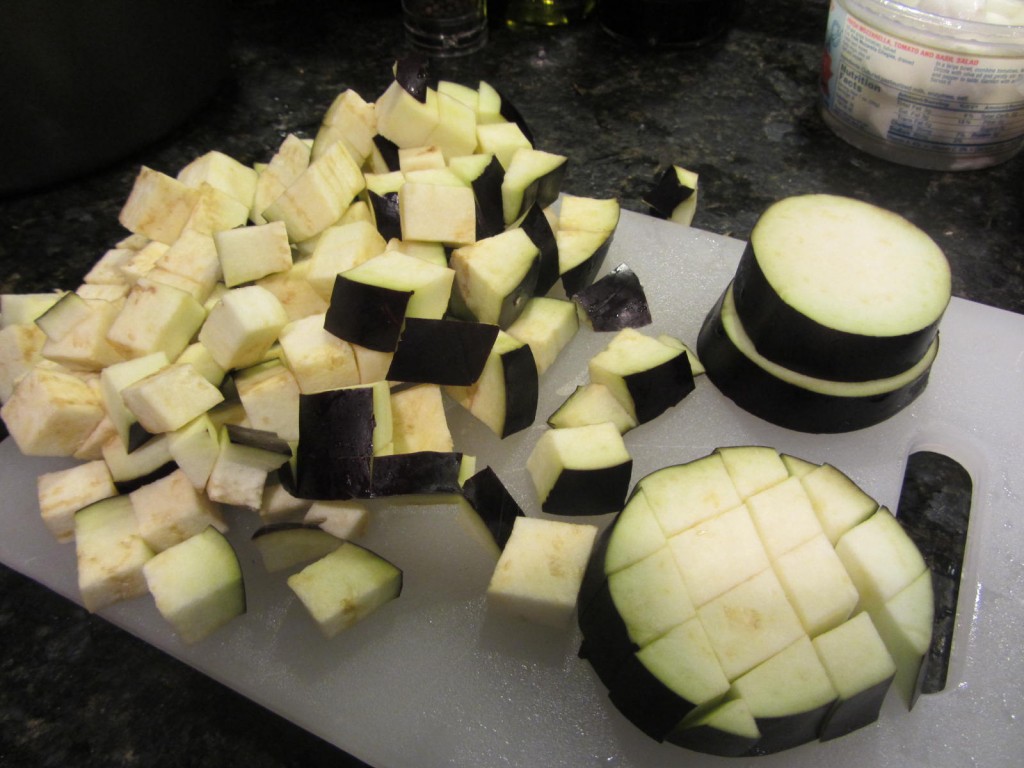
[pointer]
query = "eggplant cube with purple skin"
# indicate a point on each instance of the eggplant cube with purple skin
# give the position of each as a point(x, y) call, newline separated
point(496, 277)
point(446, 351)
point(581, 470)
point(505, 395)
point(547, 324)
point(674, 195)
point(645, 374)
point(484, 174)
point(370, 302)
point(381, 194)
point(531, 177)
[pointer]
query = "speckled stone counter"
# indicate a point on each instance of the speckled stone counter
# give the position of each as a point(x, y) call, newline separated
point(74, 691)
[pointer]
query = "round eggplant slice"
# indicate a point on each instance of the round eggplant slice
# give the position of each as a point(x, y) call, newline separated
point(840, 289)
point(793, 400)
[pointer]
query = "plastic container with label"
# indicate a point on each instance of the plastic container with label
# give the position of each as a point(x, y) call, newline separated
point(924, 89)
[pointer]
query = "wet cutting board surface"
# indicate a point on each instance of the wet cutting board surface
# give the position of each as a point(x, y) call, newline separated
point(433, 679)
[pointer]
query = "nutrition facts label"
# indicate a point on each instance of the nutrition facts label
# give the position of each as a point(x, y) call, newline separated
point(918, 96)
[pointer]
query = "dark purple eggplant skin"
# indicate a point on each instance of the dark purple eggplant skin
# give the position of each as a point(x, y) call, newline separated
point(388, 151)
point(761, 394)
point(137, 436)
point(657, 389)
point(606, 644)
point(615, 301)
point(129, 484)
point(781, 733)
point(385, 214)
point(712, 741)
point(537, 227)
point(490, 214)
point(544, 190)
point(522, 389)
point(420, 472)
point(260, 439)
point(332, 459)
point(666, 194)
point(368, 315)
point(445, 351)
point(414, 74)
point(583, 274)
point(288, 525)
point(515, 302)
point(646, 701)
point(935, 510)
point(847, 715)
point(333, 478)
point(589, 491)
point(490, 499)
point(794, 341)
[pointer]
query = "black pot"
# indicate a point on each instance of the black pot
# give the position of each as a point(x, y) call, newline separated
point(86, 82)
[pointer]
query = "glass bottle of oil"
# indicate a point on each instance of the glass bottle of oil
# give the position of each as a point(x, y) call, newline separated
point(544, 13)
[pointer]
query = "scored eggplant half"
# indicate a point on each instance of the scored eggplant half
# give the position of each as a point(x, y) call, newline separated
point(839, 289)
point(793, 400)
point(730, 579)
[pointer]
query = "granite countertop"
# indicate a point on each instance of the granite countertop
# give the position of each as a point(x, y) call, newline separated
point(74, 690)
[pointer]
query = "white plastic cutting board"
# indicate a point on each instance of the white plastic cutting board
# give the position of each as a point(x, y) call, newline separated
point(433, 680)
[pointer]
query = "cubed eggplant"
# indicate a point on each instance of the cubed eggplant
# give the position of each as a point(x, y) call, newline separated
point(413, 73)
point(674, 195)
point(364, 314)
point(421, 472)
point(536, 224)
point(491, 500)
point(646, 375)
point(581, 470)
point(447, 352)
point(615, 301)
